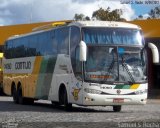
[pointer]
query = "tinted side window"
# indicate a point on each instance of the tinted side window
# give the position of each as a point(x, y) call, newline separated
point(62, 39)
point(49, 47)
point(42, 44)
point(39, 44)
point(8, 49)
point(19, 47)
point(54, 43)
point(74, 46)
point(32, 45)
point(15, 48)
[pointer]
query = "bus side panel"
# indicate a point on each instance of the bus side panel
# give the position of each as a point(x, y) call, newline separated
point(31, 79)
point(63, 74)
point(36, 81)
point(60, 76)
point(7, 84)
point(45, 77)
point(21, 71)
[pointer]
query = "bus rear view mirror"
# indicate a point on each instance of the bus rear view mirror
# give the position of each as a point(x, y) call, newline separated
point(83, 51)
point(155, 52)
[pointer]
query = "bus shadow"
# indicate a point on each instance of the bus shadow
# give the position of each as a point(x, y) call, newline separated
point(9, 106)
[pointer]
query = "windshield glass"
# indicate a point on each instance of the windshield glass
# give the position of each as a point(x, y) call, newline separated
point(115, 64)
point(103, 35)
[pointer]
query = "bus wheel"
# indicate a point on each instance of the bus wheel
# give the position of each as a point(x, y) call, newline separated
point(55, 104)
point(64, 100)
point(68, 106)
point(1, 90)
point(29, 101)
point(117, 108)
point(14, 94)
point(20, 96)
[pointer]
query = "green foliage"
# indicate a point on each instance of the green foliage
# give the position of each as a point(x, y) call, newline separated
point(107, 15)
point(140, 16)
point(102, 14)
point(155, 13)
point(81, 17)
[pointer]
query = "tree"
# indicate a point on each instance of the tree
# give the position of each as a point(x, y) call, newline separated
point(87, 18)
point(107, 15)
point(140, 16)
point(78, 17)
point(154, 13)
point(82, 17)
point(102, 14)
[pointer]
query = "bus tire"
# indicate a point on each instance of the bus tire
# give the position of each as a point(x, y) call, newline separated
point(68, 106)
point(29, 101)
point(55, 104)
point(1, 90)
point(117, 108)
point(20, 95)
point(63, 99)
point(14, 94)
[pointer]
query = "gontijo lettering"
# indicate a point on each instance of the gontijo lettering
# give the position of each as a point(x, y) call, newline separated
point(8, 66)
point(23, 65)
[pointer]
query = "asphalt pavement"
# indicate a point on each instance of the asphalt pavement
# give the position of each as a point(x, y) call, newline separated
point(43, 115)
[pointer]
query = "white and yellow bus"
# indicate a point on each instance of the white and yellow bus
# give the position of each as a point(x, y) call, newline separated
point(89, 63)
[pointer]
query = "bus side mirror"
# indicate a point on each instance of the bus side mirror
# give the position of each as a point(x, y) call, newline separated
point(155, 52)
point(83, 51)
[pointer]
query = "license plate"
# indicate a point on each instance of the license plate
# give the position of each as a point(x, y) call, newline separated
point(118, 100)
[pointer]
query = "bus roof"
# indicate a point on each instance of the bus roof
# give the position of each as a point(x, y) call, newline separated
point(104, 24)
point(81, 24)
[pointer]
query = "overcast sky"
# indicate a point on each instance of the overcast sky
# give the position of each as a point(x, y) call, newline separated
point(19, 11)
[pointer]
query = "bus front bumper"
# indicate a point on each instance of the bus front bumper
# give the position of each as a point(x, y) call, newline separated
point(110, 100)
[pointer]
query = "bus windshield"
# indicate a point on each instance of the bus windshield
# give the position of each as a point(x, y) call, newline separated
point(123, 36)
point(115, 64)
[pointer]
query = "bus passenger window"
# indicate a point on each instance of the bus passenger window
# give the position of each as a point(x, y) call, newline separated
point(74, 46)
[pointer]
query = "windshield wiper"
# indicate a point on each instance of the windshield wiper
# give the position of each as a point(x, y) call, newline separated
point(111, 67)
point(129, 73)
point(130, 83)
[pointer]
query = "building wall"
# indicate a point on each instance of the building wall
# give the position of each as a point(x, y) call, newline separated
point(7, 31)
point(151, 27)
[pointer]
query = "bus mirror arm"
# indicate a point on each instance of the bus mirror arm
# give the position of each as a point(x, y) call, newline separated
point(155, 52)
point(83, 51)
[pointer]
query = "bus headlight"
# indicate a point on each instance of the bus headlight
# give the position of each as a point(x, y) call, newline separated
point(92, 91)
point(140, 92)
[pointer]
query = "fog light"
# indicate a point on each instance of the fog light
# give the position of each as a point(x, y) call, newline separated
point(92, 91)
point(89, 99)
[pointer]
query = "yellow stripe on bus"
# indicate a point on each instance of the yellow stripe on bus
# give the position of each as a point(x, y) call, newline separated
point(134, 86)
point(37, 65)
point(33, 78)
